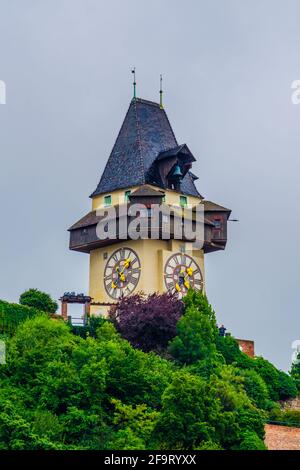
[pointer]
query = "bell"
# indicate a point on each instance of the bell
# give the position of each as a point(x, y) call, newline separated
point(177, 172)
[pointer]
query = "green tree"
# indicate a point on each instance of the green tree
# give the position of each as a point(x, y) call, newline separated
point(209, 445)
point(287, 386)
point(11, 315)
point(279, 384)
point(196, 331)
point(182, 422)
point(36, 343)
point(230, 410)
point(84, 428)
point(255, 388)
point(251, 441)
point(16, 432)
point(270, 375)
point(134, 377)
point(39, 300)
point(134, 426)
point(295, 371)
point(46, 424)
point(230, 350)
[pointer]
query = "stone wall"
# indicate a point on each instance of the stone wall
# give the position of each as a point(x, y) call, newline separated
point(291, 404)
point(282, 437)
point(247, 346)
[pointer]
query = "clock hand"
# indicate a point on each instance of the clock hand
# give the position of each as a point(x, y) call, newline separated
point(126, 264)
point(114, 283)
point(183, 279)
point(189, 273)
point(121, 275)
point(180, 281)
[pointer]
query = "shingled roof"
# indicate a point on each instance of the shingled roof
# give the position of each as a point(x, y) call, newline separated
point(145, 133)
point(212, 206)
point(147, 191)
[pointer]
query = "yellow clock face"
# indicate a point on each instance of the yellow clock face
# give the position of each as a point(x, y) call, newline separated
point(182, 272)
point(122, 273)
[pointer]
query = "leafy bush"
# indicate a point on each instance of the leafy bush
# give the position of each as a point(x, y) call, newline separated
point(287, 387)
point(231, 410)
point(11, 315)
point(207, 367)
point(134, 426)
point(133, 376)
point(291, 417)
point(285, 417)
point(256, 388)
point(295, 371)
point(230, 350)
point(148, 323)
point(90, 329)
point(279, 384)
point(182, 423)
point(40, 300)
point(209, 445)
point(251, 441)
point(270, 375)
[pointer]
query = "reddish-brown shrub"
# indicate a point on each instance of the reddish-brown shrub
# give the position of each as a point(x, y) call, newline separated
point(148, 323)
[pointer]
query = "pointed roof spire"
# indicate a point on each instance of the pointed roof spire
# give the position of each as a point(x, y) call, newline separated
point(134, 83)
point(144, 134)
point(160, 94)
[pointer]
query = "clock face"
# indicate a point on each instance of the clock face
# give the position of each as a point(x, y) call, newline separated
point(182, 272)
point(122, 273)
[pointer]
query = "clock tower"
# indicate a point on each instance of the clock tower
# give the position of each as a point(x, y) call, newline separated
point(147, 168)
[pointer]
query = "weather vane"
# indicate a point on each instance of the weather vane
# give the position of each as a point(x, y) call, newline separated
point(134, 83)
point(160, 94)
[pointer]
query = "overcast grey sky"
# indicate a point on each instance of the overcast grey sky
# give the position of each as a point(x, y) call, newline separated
point(228, 68)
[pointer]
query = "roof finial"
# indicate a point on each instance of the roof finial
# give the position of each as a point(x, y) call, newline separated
point(134, 83)
point(160, 94)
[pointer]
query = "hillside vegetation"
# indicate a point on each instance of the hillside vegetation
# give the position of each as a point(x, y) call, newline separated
point(90, 388)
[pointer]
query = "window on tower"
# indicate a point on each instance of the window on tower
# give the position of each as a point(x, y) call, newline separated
point(217, 223)
point(107, 200)
point(126, 195)
point(183, 201)
point(217, 229)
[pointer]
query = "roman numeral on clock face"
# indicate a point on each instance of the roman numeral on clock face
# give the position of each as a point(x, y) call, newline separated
point(116, 257)
point(136, 270)
point(177, 259)
point(170, 284)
